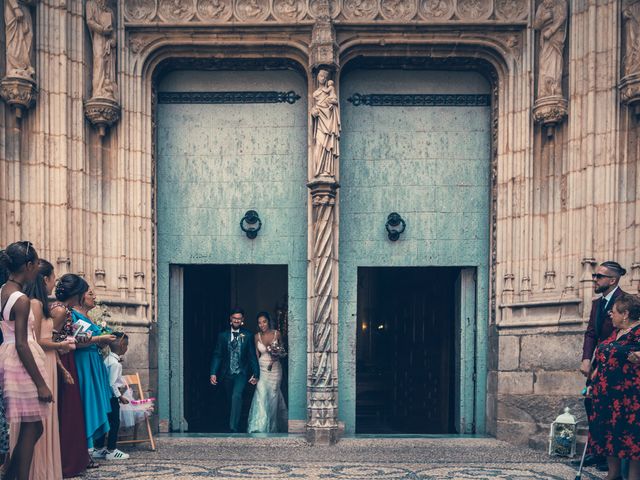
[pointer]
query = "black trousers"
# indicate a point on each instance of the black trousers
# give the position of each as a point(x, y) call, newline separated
point(114, 426)
point(234, 386)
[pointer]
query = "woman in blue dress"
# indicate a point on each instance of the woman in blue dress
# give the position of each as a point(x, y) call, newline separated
point(95, 390)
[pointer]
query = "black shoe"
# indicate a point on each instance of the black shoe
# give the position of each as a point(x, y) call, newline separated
point(589, 460)
point(602, 467)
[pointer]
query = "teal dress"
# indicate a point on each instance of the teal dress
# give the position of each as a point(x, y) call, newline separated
point(94, 385)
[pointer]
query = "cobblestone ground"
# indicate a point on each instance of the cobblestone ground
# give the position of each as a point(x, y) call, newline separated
point(352, 459)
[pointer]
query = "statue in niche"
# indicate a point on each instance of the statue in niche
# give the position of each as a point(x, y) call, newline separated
point(325, 115)
point(100, 20)
point(19, 35)
point(631, 15)
point(551, 21)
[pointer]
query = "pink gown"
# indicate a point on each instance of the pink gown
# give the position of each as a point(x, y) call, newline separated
point(20, 393)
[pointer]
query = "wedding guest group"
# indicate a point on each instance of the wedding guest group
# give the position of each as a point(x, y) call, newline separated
point(57, 397)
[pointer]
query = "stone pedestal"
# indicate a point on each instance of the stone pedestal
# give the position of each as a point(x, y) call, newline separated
point(550, 111)
point(102, 113)
point(630, 91)
point(19, 93)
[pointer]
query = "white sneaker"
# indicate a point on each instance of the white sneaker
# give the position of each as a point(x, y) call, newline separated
point(116, 455)
point(98, 454)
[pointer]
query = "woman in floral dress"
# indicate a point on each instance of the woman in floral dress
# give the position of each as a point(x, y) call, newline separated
point(615, 390)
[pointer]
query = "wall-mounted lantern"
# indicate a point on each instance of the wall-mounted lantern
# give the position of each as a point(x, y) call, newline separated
point(251, 224)
point(395, 226)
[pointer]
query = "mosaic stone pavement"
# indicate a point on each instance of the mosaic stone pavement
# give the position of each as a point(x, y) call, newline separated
point(353, 459)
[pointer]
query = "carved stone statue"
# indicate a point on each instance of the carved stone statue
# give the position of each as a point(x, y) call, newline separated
point(631, 15)
point(551, 21)
point(100, 20)
point(19, 33)
point(325, 115)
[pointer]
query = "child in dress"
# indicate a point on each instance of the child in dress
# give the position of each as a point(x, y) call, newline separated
point(117, 348)
point(22, 360)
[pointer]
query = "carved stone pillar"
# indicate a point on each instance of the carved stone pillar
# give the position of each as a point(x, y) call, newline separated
point(102, 109)
point(322, 359)
point(18, 87)
point(550, 107)
point(630, 82)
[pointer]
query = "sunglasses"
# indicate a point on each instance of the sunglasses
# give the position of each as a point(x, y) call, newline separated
point(597, 276)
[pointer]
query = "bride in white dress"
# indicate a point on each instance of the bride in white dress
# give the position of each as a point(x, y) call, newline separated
point(268, 413)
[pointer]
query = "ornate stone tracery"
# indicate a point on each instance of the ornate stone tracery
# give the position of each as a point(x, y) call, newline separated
point(630, 83)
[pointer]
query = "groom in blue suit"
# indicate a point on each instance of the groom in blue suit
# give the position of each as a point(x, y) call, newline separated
point(235, 364)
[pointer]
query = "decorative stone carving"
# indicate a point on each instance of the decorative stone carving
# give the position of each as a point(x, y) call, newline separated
point(324, 48)
point(631, 17)
point(436, 10)
point(252, 10)
point(18, 93)
point(325, 120)
point(550, 110)
point(176, 10)
point(630, 83)
point(398, 9)
point(139, 10)
point(18, 87)
point(316, 8)
point(99, 282)
point(103, 113)
point(101, 23)
point(214, 10)
point(322, 425)
point(474, 9)
point(551, 21)
point(359, 10)
point(289, 10)
point(19, 36)
point(511, 10)
point(102, 109)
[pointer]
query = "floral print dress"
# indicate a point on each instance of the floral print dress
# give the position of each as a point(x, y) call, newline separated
point(615, 418)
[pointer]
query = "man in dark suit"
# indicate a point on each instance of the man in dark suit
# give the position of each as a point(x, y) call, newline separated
point(606, 280)
point(234, 359)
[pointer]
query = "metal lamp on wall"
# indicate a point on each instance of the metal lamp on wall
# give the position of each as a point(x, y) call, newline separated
point(251, 224)
point(395, 226)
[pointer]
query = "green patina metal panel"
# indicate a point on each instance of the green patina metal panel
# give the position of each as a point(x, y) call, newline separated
point(431, 164)
point(216, 161)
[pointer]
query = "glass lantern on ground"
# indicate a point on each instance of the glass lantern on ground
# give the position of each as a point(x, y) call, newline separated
point(562, 435)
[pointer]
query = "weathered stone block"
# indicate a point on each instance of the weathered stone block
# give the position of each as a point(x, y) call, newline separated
point(509, 351)
point(518, 383)
point(558, 383)
point(551, 352)
point(517, 433)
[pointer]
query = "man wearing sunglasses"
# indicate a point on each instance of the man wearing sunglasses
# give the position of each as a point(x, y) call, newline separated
point(605, 283)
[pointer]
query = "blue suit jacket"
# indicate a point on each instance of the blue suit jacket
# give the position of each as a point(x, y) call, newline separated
point(248, 358)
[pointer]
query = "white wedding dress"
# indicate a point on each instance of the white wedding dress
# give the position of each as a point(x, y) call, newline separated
point(268, 413)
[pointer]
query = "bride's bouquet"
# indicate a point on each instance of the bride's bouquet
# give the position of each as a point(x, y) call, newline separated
point(277, 351)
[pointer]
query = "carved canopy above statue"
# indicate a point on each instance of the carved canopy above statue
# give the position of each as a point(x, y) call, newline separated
point(305, 11)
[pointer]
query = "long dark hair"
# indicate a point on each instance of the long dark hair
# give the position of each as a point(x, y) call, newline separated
point(37, 289)
point(272, 325)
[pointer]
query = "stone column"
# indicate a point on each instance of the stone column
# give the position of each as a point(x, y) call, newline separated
point(322, 325)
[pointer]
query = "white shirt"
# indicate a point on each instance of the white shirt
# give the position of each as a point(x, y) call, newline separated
point(609, 295)
point(114, 368)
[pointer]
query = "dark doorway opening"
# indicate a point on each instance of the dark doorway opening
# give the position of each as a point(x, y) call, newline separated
point(405, 367)
point(210, 292)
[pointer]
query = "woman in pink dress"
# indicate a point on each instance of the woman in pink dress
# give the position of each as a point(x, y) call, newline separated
point(46, 457)
point(22, 360)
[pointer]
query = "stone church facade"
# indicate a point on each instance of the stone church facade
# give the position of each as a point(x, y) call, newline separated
point(537, 181)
